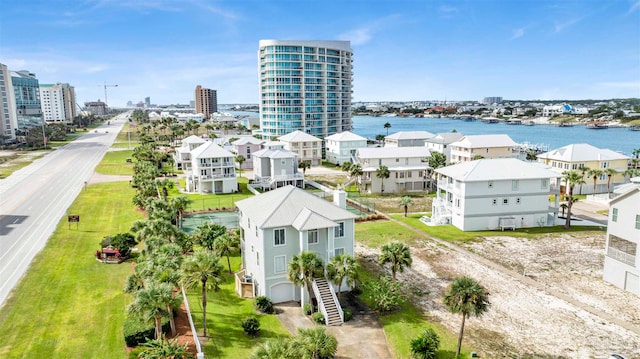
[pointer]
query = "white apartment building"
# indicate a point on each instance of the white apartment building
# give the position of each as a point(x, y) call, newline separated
point(441, 143)
point(482, 146)
point(492, 194)
point(8, 117)
point(341, 147)
point(58, 102)
point(407, 139)
point(621, 260)
point(408, 169)
point(306, 86)
point(307, 147)
point(182, 154)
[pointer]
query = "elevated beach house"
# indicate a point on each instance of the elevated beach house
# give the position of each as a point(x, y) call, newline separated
point(492, 194)
point(275, 167)
point(212, 170)
point(307, 147)
point(277, 225)
point(341, 147)
point(182, 154)
point(473, 147)
point(407, 139)
point(408, 169)
point(441, 142)
point(246, 147)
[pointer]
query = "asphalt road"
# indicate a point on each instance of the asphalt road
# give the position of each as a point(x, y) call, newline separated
point(35, 198)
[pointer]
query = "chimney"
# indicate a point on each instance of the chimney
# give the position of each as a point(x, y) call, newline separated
point(340, 198)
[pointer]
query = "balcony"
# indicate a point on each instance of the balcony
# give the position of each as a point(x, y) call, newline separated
point(621, 256)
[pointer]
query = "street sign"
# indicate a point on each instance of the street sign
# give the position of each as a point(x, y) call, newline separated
point(73, 218)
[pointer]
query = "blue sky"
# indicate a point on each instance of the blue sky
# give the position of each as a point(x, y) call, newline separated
point(403, 50)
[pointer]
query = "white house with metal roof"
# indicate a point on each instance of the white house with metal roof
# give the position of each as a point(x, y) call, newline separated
point(307, 147)
point(275, 167)
point(246, 146)
point(485, 146)
point(182, 154)
point(491, 194)
point(282, 223)
point(580, 155)
point(408, 169)
point(341, 147)
point(212, 170)
point(621, 260)
point(407, 139)
point(441, 143)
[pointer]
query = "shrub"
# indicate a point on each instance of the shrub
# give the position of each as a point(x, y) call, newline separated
point(307, 309)
point(137, 331)
point(251, 326)
point(426, 345)
point(385, 295)
point(318, 317)
point(347, 314)
point(121, 241)
point(264, 304)
point(135, 352)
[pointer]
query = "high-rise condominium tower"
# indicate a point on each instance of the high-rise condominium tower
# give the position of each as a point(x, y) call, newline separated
point(306, 86)
point(27, 96)
point(206, 101)
point(8, 119)
point(58, 102)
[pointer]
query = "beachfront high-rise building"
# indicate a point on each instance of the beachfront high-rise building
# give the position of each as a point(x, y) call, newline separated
point(8, 119)
point(147, 102)
point(306, 86)
point(206, 101)
point(26, 90)
point(58, 102)
point(491, 100)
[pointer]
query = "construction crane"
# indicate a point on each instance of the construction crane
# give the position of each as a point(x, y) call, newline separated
point(106, 103)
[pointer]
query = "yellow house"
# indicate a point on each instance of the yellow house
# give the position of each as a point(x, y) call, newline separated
point(579, 156)
point(469, 148)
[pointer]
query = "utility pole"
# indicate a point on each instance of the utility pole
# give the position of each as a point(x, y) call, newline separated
point(106, 103)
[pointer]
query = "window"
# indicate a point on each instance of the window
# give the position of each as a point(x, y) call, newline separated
point(494, 201)
point(514, 185)
point(458, 202)
point(544, 183)
point(490, 184)
point(339, 230)
point(312, 236)
point(637, 221)
point(604, 165)
point(280, 264)
point(258, 258)
point(397, 160)
point(614, 215)
point(505, 201)
point(278, 236)
point(338, 251)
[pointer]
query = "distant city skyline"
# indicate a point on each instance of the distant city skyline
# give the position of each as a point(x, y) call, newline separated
point(403, 50)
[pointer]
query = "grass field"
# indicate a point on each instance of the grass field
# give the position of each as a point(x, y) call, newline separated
point(225, 311)
point(115, 163)
point(68, 305)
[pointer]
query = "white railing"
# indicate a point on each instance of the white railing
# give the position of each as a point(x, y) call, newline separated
point(336, 302)
point(200, 354)
point(321, 307)
point(622, 256)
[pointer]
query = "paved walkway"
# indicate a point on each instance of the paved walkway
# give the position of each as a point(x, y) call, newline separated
point(361, 337)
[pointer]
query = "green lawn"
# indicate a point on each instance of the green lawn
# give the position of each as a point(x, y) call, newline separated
point(376, 233)
point(68, 305)
point(213, 201)
point(225, 311)
point(115, 163)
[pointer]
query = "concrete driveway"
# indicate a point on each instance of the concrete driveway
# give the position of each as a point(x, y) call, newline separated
point(361, 337)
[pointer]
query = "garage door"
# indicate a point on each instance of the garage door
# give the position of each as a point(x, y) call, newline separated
point(632, 283)
point(282, 292)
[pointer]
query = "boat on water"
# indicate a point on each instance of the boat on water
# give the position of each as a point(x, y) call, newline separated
point(490, 120)
point(597, 125)
point(565, 124)
point(635, 128)
point(530, 123)
point(514, 122)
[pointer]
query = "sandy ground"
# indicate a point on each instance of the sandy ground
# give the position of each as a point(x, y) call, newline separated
point(523, 321)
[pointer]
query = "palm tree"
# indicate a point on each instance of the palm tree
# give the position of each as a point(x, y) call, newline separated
point(387, 125)
point(571, 179)
point(380, 137)
point(594, 174)
point(406, 201)
point(341, 267)
point(303, 268)
point(636, 152)
point(303, 165)
point(383, 173)
point(583, 171)
point(240, 159)
point(355, 170)
point(316, 343)
point(398, 254)
point(466, 296)
point(151, 304)
point(226, 245)
point(610, 172)
point(165, 348)
point(281, 348)
point(179, 205)
point(202, 269)
point(206, 234)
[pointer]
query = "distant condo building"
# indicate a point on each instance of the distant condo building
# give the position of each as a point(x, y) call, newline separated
point(97, 108)
point(305, 86)
point(491, 100)
point(8, 119)
point(147, 102)
point(58, 102)
point(206, 101)
point(27, 96)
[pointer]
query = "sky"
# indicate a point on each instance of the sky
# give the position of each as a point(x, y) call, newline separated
point(404, 50)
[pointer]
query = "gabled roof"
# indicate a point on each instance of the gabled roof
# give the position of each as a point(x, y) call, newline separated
point(582, 152)
point(288, 205)
point(345, 136)
point(628, 193)
point(193, 139)
point(445, 138)
point(248, 139)
point(410, 135)
point(483, 141)
point(497, 169)
point(274, 153)
point(210, 150)
point(393, 152)
point(298, 136)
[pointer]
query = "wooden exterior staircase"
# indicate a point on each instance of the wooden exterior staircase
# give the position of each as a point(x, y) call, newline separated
point(328, 303)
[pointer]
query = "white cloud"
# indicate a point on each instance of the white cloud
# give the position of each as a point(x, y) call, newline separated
point(357, 37)
point(517, 33)
point(560, 26)
point(95, 68)
point(447, 9)
point(635, 6)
